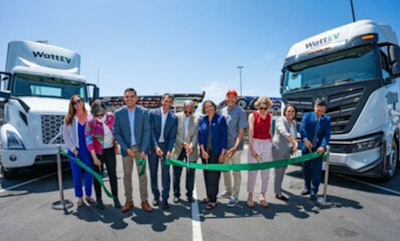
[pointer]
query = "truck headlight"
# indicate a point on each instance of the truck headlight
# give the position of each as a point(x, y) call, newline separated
point(366, 145)
point(14, 142)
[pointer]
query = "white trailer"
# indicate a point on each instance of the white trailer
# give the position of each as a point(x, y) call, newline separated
point(356, 69)
point(36, 86)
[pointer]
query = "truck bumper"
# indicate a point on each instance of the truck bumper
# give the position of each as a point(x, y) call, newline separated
point(367, 163)
point(24, 158)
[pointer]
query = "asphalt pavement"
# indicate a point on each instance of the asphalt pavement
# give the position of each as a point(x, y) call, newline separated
point(356, 209)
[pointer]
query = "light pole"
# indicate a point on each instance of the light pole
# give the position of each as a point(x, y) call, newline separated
point(352, 10)
point(240, 78)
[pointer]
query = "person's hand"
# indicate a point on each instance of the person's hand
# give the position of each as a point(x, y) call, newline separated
point(130, 152)
point(189, 150)
point(116, 150)
point(97, 162)
point(169, 155)
point(221, 158)
point(75, 151)
point(308, 145)
point(231, 152)
point(295, 147)
point(255, 155)
point(204, 155)
point(159, 152)
point(143, 155)
point(320, 150)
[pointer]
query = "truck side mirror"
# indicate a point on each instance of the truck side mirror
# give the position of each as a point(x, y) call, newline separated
point(394, 58)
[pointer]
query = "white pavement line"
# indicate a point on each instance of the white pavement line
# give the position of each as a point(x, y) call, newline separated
point(370, 184)
point(27, 182)
point(196, 224)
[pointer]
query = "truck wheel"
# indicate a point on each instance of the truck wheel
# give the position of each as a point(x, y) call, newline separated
point(242, 103)
point(9, 173)
point(391, 162)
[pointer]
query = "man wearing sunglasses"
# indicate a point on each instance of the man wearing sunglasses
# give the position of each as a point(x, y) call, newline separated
point(185, 149)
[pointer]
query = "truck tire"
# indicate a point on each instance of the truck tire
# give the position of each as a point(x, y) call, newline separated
point(242, 103)
point(391, 163)
point(9, 173)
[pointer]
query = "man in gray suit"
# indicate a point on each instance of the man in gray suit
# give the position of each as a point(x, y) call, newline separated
point(163, 133)
point(132, 131)
point(185, 149)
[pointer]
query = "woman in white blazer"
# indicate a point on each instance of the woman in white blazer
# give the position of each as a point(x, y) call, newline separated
point(74, 138)
point(284, 144)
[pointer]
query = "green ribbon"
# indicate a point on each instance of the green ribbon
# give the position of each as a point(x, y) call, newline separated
point(141, 163)
point(97, 176)
point(245, 166)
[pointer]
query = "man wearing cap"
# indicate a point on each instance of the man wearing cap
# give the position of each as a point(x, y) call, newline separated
point(237, 124)
point(315, 130)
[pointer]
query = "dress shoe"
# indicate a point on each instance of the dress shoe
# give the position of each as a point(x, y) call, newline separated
point(305, 192)
point(176, 200)
point(117, 204)
point(313, 197)
point(156, 202)
point(100, 205)
point(90, 200)
point(211, 205)
point(146, 206)
point(128, 206)
point(165, 204)
point(190, 199)
point(281, 197)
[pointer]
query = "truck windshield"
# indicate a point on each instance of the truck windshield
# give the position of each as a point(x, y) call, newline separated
point(40, 86)
point(356, 64)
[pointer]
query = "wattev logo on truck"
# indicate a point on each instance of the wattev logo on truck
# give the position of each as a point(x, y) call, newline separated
point(323, 41)
point(51, 56)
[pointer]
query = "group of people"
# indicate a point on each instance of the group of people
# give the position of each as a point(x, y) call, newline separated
point(152, 136)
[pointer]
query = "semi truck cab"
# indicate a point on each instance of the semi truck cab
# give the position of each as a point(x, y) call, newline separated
point(356, 69)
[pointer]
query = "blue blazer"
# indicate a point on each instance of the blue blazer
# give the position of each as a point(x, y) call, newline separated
point(170, 128)
point(142, 129)
point(219, 132)
point(307, 130)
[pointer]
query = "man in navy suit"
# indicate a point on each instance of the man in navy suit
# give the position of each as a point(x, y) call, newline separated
point(164, 125)
point(132, 131)
point(315, 130)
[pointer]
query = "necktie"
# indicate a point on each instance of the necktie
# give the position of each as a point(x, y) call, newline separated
point(316, 132)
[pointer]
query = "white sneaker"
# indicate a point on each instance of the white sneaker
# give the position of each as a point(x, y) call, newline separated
point(232, 202)
point(225, 194)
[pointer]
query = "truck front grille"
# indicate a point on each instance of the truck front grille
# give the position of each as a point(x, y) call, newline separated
point(343, 107)
point(52, 129)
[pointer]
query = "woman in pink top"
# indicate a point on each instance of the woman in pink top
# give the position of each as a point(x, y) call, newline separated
point(102, 146)
point(260, 144)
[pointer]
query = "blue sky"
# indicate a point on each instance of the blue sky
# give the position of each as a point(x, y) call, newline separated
point(182, 46)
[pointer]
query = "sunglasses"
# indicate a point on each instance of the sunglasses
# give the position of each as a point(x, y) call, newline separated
point(99, 115)
point(263, 108)
point(76, 102)
point(188, 112)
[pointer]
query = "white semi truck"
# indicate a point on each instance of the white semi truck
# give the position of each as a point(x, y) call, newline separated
point(38, 81)
point(356, 69)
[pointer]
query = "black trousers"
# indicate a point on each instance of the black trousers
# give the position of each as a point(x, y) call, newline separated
point(108, 158)
point(190, 174)
point(211, 178)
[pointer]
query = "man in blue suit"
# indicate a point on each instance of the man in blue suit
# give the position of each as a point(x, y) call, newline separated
point(164, 125)
point(132, 131)
point(315, 130)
